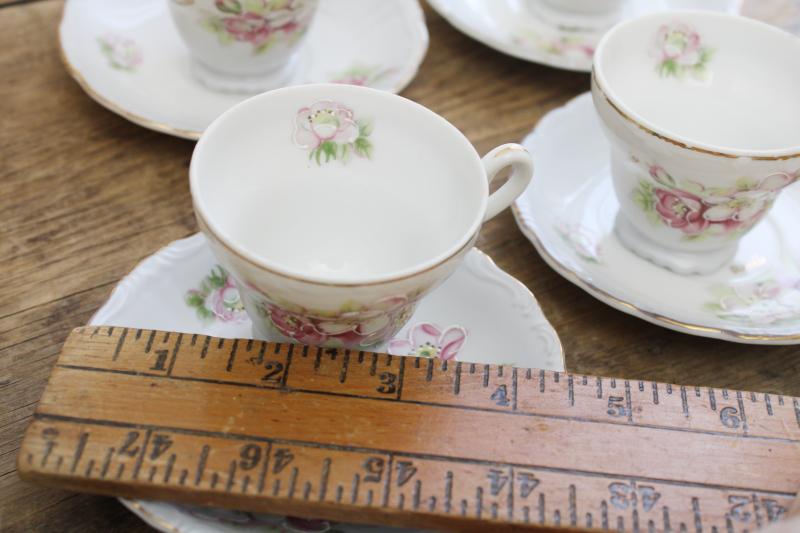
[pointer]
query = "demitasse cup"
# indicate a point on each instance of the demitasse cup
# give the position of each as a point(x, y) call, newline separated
point(588, 15)
point(703, 115)
point(337, 208)
point(245, 46)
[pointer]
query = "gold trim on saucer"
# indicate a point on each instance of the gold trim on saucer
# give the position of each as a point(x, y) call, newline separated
point(111, 106)
point(680, 144)
point(632, 309)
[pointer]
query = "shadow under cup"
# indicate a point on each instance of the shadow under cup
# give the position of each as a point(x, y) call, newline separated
point(702, 113)
point(336, 208)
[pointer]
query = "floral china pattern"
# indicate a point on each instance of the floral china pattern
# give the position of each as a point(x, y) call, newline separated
point(330, 131)
point(680, 52)
point(122, 53)
point(261, 23)
point(559, 46)
point(698, 211)
point(582, 241)
point(361, 75)
point(217, 298)
point(759, 303)
point(353, 326)
point(431, 341)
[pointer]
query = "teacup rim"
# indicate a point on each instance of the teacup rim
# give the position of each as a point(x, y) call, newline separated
point(682, 141)
point(201, 213)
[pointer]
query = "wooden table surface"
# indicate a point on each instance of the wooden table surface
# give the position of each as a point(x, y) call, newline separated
point(85, 195)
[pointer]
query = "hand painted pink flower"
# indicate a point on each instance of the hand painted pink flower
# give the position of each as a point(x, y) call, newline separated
point(121, 52)
point(324, 121)
point(661, 176)
point(226, 303)
point(745, 207)
point(249, 27)
point(428, 340)
point(284, 16)
point(679, 43)
point(295, 326)
point(681, 210)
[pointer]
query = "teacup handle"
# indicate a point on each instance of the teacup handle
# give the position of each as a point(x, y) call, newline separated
point(521, 163)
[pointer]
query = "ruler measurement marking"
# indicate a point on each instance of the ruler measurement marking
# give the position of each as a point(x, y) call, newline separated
point(89, 468)
point(184, 475)
point(415, 494)
point(149, 344)
point(570, 390)
point(604, 514)
point(120, 342)
point(354, 488)
point(388, 480)
point(323, 478)
point(232, 355)
point(432, 500)
point(684, 402)
point(541, 508)
point(457, 380)
point(201, 464)
point(138, 465)
point(628, 406)
point(343, 369)
point(174, 353)
point(401, 378)
point(245, 484)
point(514, 389)
point(698, 518)
point(106, 463)
point(262, 475)
point(599, 388)
point(655, 393)
point(448, 491)
point(204, 350)
point(429, 371)
point(712, 401)
point(374, 365)
point(169, 467)
point(231, 476)
point(485, 375)
point(285, 375)
point(741, 411)
point(796, 411)
point(541, 381)
point(79, 451)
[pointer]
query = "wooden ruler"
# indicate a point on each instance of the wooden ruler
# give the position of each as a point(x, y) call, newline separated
point(358, 436)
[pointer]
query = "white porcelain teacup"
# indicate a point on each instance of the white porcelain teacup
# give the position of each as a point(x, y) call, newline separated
point(587, 15)
point(336, 208)
point(703, 114)
point(243, 45)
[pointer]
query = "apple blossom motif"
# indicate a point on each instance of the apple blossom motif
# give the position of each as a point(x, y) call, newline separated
point(559, 46)
point(582, 241)
point(680, 52)
point(429, 340)
point(122, 53)
point(329, 129)
point(352, 327)
point(699, 211)
point(217, 298)
point(260, 23)
point(362, 76)
point(766, 302)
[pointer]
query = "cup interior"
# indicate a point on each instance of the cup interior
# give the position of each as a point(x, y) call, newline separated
point(711, 80)
point(338, 184)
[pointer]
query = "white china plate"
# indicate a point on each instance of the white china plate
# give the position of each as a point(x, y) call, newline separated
point(379, 44)
point(502, 319)
point(512, 28)
point(568, 214)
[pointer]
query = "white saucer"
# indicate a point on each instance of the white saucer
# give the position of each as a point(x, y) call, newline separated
point(180, 288)
point(128, 57)
point(568, 214)
point(514, 29)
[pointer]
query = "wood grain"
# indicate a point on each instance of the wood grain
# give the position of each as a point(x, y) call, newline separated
point(85, 195)
point(401, 440)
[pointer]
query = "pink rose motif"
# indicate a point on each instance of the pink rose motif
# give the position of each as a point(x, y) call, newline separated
point(324, 121)
point(226, 303)
point(122, 53)
point(248, 27)
point(295, 326)
point(429, 340)
point(679, 43)
point(681, 210)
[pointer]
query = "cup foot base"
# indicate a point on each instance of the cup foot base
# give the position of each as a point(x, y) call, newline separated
point(245, 84)
point(679, 262)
